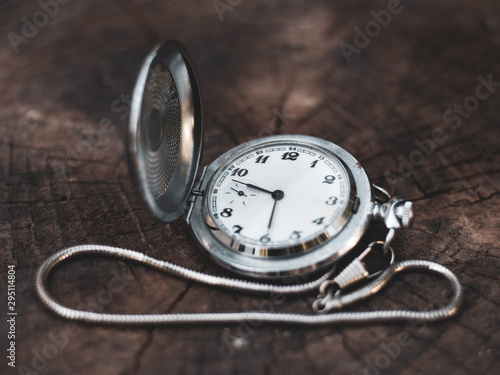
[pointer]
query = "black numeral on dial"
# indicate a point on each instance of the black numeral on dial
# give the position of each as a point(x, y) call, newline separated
point(290, 156)
point(237, 228)
point(331, 201)
point(226, 212)
point(265, 239)
point(240, 172)
point(261, 159)
point(319, 221)
point(313, 164)
point(329, 179)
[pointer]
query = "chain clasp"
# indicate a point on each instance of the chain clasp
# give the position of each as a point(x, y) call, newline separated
point(330, 297)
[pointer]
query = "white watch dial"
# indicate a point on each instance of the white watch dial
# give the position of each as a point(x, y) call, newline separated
point(279, 195)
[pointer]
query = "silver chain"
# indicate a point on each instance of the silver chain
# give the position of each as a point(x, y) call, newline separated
point(326, 302)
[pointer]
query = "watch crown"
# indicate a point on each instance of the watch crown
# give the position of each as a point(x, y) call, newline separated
point(404, 212)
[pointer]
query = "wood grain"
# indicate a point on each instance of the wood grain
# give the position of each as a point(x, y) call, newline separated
point(267, 67)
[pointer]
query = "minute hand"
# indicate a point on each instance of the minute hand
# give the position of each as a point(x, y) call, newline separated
point(252, 186)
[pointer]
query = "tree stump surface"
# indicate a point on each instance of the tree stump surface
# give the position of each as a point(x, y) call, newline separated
point(265, 67)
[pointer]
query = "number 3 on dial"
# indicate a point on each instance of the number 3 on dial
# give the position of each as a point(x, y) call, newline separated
point(331, 201)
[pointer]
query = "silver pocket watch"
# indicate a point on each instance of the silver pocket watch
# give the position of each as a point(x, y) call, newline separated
point(284, 205)
point(276, 206)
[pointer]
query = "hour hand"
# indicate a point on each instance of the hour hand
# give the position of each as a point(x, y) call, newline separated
point(252, 186)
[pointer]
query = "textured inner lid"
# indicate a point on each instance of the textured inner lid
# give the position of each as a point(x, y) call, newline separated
point(160, 129)
point(166, 130)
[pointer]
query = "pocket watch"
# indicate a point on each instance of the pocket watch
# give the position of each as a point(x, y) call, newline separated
point(280, 206)
point(275, 206)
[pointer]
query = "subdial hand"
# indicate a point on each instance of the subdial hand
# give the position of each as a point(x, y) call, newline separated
point(240, 192)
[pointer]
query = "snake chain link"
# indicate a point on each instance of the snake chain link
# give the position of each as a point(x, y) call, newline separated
point(244, 286)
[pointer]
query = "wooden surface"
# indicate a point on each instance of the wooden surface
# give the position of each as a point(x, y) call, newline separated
point(267, 66)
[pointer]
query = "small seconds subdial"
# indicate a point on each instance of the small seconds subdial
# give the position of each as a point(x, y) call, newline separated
point(280, 195)
point(237, 194)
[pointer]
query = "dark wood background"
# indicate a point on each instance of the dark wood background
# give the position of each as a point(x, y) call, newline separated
point(267, 66)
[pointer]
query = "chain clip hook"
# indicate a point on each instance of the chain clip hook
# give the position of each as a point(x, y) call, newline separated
point(331, 290)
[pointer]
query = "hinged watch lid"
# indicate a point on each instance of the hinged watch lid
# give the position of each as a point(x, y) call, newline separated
point(166, 130)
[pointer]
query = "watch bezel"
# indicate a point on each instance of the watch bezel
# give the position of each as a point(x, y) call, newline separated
point(318, 256)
